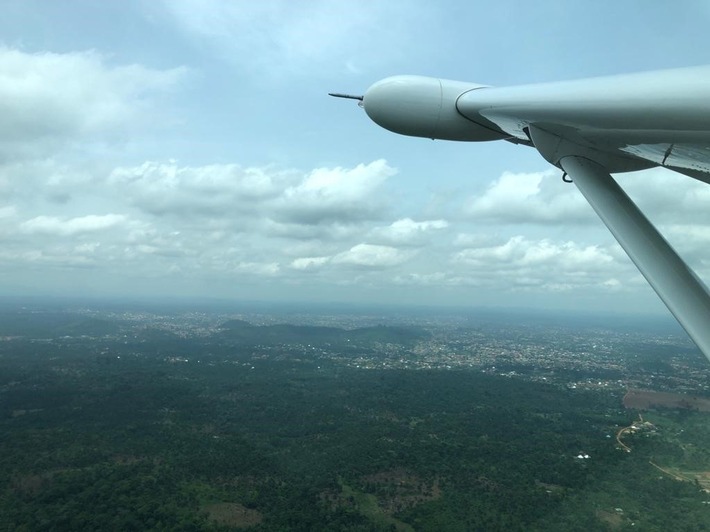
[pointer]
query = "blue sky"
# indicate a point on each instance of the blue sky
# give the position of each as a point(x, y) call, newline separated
point(188, 148)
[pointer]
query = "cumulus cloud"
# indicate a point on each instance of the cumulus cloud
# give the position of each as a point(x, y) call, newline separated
point(519, 251)
point(667, 197)
point(167, 188)
point(191, 220)
point(539, 197)
point(542, 198)
point(423, 279)
point(309, 263)
point(51, 225)
point(54, 256)
point(258, 268)
point(321, 203)
point(47, 98)
point(406, 231)
point(343, 194)
point(371, 256)
point(333, 230)
point(331, 226)
point(676, 204)
point(544, 265)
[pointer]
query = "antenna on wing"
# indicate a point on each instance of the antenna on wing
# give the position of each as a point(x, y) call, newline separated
point(347, 96)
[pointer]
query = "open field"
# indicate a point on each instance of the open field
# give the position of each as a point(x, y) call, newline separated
point(647, 399)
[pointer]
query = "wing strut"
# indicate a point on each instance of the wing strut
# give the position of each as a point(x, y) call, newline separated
point(685, 295)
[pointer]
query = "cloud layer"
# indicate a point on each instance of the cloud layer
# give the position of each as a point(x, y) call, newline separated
point(332, 226)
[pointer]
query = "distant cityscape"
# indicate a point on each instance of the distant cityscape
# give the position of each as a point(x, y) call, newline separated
point(572, 355)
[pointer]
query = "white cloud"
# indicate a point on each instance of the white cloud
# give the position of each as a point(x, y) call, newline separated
point(330, 230)
point(676, 204)
point(285, 202)
point(612, 284)
point(231, 222)
point(167, 188)
point(543, 265)
point(668, 197)
point(543, 198)
point(519, 251)
point(266, 224)
point(214, 220)
point(258, 268)
point(309, 263)
point(49, 98)
point(422, 279)
point(540, 197)
point(406, 231)
point(335, 194)
point(51, 225)
point(371, 256)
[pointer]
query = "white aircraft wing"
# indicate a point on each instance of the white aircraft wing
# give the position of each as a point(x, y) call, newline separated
point(590, 129)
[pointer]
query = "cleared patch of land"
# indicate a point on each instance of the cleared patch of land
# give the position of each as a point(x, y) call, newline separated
point(647, 400)
point(613, 519)
point(233, 514)
point(701, 478)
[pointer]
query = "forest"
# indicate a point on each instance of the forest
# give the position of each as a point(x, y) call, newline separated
point(108, 429)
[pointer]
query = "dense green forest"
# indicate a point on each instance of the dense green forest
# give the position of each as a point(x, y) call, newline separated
point(152, 431)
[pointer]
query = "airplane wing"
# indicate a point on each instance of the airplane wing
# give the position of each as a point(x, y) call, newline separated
point(658, 118)
point(590, 129)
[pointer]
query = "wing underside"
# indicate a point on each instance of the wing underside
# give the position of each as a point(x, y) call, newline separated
point(689, 159)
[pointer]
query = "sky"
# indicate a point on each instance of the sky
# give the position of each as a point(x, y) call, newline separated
point(188, 148)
